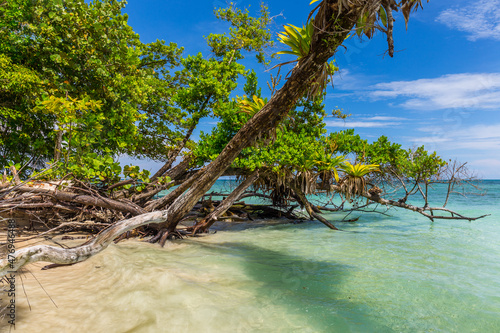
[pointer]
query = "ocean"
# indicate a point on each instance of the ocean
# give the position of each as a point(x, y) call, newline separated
point(392, 272)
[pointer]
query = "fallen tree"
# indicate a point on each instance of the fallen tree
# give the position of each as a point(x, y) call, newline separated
point(57, 255)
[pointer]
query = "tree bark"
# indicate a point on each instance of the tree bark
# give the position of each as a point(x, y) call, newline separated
point(208, 221)
point(169, 198)
point(15, 176)
point(327, 41)
point(174, 154)
point(58, 148)
point(57, 255)
point(301, 197)
point(85, 199)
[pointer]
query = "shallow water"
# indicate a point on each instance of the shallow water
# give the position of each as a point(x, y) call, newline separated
point(398, 273)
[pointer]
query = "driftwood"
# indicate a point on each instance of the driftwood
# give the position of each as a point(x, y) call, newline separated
point(56, 255)
point(84, 199)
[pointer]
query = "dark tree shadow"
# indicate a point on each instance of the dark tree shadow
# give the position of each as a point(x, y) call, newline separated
point(306, 288)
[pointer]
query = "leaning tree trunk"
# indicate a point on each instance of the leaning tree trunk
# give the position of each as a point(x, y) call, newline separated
point(302, 199)
point(325, 42)
point(208, 221)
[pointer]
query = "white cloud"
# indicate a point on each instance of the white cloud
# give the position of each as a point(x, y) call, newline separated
point(361, 124)
point(382, 118)
point(479, 145)
point(346, 80)
point(476, 138)
point(478, 91)
point(480, 19)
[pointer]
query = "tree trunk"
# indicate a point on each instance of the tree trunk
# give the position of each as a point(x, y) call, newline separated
point(169, 198)
point(174, 154)
point(271, 114)
point(58, 255)
point(57, 148)
point(301, 197)
point(207, 222)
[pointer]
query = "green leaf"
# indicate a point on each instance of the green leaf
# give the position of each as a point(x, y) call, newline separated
point(56, 58)
point(383, 15)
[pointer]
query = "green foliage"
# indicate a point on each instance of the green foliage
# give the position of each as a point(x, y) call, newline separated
point(95, 168)
point(251, 86)
point(78, 51)
point(209, 84)
point(246, 33)
point(419, 164)
point(415, 164)
point(22, 133)
point(359, 169)
point(134, 172)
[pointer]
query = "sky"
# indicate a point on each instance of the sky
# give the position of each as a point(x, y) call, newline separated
point(441, 89)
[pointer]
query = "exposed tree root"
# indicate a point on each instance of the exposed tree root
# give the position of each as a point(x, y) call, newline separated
point(311, 209)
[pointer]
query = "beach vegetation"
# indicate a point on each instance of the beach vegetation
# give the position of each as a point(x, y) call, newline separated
point(78, 90)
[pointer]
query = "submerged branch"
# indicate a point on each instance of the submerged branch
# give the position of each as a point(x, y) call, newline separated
point(422, 210)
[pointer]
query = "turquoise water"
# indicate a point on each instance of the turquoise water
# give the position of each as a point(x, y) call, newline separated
point(397, 273)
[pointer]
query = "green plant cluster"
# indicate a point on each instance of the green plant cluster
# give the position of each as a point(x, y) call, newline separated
point(412, 163)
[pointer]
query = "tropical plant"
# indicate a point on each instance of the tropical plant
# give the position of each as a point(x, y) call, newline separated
point(354, 182)
point(251, 106)
point(299, 41)
point(358, 170)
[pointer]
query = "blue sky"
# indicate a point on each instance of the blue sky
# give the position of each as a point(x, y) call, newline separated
point(441, 89)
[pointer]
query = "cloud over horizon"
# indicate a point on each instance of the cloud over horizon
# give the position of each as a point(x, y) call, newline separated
point(476, 137)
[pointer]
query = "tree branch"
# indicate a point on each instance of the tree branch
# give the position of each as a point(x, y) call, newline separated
point(80, 253)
